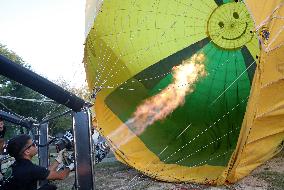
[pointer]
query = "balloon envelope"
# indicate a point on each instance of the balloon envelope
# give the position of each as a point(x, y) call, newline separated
point(132, 52)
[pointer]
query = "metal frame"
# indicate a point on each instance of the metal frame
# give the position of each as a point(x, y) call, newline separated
point(81, 118)
point(83, 150)
point(84, 158)
point(16, 119)
point(43, 156)
point(40, 84)
point(41, 135)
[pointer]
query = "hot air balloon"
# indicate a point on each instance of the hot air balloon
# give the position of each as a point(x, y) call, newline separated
point(188, 91)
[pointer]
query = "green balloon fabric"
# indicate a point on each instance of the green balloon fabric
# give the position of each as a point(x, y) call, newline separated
point(131, 54)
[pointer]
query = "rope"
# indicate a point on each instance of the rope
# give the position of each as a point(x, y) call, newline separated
point(28, 100)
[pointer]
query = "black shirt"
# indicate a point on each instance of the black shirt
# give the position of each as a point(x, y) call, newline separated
point(25, 175)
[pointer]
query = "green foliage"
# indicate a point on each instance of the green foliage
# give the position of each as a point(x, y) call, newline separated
point(12, 56)
point(37, 111)
point(60, 124)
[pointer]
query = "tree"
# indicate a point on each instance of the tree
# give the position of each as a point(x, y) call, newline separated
point(81, 92)
point(35, 110)
point(60, 124)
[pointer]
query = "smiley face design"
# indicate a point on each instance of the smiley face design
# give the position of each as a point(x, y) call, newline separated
point(230, 26)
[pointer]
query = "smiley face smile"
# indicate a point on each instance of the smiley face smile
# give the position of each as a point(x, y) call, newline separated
point(229, 26)
point(238, 36)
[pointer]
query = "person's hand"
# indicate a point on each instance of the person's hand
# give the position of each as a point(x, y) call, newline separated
point(59, 157)
point(71, 166)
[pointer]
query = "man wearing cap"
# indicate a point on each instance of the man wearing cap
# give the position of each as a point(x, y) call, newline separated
point(25, 174)
point(2, 134)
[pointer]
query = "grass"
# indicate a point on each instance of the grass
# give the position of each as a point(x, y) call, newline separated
point(275, 179)
point(117, 176)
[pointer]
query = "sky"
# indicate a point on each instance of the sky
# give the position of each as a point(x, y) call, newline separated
point(48, 35)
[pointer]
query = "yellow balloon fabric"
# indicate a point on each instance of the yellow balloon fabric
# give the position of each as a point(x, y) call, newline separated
point(263, 125)
point(132, 51)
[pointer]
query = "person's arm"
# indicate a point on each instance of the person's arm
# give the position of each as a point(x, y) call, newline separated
point(53, 175)
point(53, 166)
point(42, 173)
point(58, 160)
point(58, 175)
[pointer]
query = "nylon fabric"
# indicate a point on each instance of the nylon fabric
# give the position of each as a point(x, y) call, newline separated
point(214, 136)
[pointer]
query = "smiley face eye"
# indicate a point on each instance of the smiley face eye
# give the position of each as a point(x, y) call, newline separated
point(236, 15)
point(221, 24)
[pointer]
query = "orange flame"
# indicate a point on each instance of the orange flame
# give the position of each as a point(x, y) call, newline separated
point(161, 105)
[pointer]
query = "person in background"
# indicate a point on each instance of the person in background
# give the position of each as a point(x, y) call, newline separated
point(25, 174)
point(2, 134)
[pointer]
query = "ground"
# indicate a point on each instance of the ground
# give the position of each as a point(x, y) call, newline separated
point(113, 175)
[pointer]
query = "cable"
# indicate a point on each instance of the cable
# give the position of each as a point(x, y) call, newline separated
point(7, 109)
point(28, 100)
point(54, 117)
